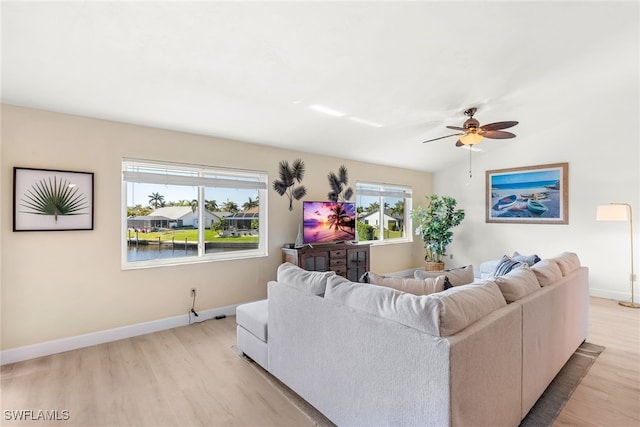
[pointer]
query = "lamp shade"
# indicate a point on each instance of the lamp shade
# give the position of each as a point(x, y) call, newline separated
point(471, 138)
point(612, 212)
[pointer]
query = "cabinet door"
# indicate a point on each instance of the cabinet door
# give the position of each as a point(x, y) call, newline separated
point(315, 261)
point(357, 263)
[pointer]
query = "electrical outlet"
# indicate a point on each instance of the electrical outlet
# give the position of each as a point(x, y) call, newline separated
point(450, 256)
point(193, 292)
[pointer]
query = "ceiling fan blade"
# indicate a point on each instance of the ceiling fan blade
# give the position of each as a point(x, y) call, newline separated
point(456, 128)
point(498, 134)
point(459, 143)
point(442, 137)
point(499, 125)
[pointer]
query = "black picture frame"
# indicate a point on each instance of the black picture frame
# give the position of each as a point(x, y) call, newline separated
point(52, 200)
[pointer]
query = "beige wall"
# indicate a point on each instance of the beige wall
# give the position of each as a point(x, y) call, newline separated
point(63, 284)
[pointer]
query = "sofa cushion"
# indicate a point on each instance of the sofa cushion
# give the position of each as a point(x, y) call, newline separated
point(310, 281)
point(547, 271)
point(254, 317)
point(461, 306)
point(439, 314)
point(457, 276)
point(567, 261)
point(525, 259)
point(518, 283)
point(412, 286)
point(505, 265)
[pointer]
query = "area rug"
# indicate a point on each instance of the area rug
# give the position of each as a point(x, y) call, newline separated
point(553, 399)
point(542, 414)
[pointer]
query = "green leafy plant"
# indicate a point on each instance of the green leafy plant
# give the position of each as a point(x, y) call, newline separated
point(434, 224)
point(54, 198)
point(338, 183)
point(289, 175)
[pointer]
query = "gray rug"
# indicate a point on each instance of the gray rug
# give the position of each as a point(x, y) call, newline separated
point(553, 399)
point(543, 413)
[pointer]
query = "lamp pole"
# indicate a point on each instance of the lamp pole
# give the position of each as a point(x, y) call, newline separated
point(631, 304)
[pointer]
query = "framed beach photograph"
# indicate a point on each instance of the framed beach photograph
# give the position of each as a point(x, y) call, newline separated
point(528, 195)
point(52, 200)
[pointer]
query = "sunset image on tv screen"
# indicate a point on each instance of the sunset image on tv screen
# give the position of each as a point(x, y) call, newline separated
point(326, 222)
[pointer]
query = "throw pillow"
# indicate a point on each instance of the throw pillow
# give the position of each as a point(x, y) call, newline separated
point(456, 276)
point(310, 281)
point(567, 261)
point(547, 272)
point(412, 286)
point(505, 265)
point(518, 283)
point(526, 259)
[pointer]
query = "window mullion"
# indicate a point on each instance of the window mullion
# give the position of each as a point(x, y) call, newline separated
point(201, 221)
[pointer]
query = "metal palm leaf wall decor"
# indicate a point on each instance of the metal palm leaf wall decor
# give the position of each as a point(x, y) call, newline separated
point(50, 200)
point(289, 175)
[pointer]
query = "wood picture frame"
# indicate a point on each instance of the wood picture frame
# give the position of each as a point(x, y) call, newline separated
point(52, 200)
point(528, 195)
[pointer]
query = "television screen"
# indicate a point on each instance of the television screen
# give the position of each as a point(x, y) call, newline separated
point(327, 222)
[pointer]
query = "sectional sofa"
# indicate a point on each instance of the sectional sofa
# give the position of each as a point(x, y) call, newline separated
point(477, 354)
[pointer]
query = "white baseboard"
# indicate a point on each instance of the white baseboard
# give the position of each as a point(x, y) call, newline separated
point(47, 348)
point(613, 295)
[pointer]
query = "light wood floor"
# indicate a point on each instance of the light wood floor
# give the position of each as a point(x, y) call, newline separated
point(192, 376)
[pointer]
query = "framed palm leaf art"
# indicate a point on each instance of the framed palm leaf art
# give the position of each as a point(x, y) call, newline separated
point(52, 200)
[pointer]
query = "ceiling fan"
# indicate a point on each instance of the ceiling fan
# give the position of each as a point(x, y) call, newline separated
point(472, 133)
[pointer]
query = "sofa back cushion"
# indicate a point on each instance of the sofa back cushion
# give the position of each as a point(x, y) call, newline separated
point(309, 281)
point(439, 314)
point(412, 286)
point(461, 306)
point(547, 271)
point(456, 276)
point(518, 283)
point(567, 261)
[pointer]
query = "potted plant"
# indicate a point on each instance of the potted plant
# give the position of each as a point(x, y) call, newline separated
point(434, 224)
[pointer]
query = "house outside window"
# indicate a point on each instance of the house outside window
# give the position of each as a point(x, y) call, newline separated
point(181, 213)
point(383, 212)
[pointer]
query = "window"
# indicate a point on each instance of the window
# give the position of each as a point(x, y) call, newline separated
point(177, 213)
point(383, 212)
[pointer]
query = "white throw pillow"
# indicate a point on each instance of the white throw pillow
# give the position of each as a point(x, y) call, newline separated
point(457, 276)
point(412, 286)
point(518, 283)
point(310, 281)
point(567, 261)
point(547, 271)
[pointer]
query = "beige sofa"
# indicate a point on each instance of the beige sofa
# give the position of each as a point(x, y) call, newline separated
point(369, 355)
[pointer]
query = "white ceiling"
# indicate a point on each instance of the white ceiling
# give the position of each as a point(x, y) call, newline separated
point(249, 70)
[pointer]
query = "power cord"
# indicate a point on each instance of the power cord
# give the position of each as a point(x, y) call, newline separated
point(193, 305)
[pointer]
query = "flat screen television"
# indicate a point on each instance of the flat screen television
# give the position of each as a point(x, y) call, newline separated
point(328, 222)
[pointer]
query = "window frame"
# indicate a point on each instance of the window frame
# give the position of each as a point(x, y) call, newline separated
point(207, 177)
point(389, 191)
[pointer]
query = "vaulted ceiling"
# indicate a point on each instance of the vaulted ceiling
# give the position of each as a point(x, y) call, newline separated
point(399, 72)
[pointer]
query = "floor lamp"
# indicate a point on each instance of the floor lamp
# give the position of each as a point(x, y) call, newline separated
point(620, 212)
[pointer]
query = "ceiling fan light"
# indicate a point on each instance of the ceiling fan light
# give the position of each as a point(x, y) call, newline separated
point(471, 138)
